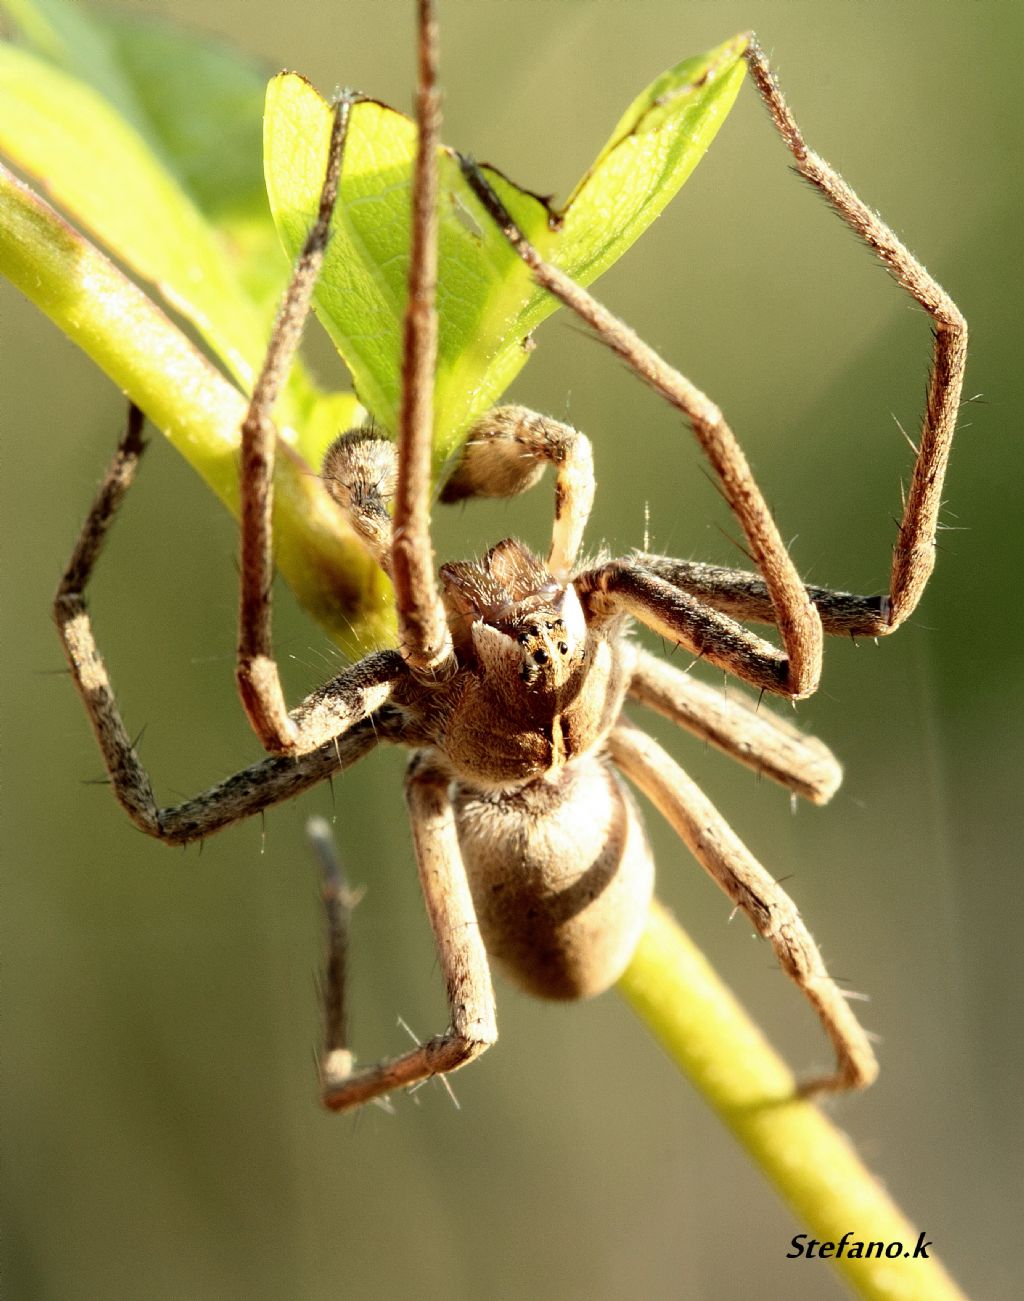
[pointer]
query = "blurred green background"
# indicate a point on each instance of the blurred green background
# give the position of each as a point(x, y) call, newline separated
point(162, 1138)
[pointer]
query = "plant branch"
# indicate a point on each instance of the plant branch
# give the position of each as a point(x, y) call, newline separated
point(811, 1163)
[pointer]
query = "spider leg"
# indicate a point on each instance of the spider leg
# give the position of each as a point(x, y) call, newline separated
point(505, 454)
point(341, 711)
point(914, 552)
point(774, 915)
point(795, 672)
point(338, 900)
point(755, 736)
point(423, 630)
point(624, 587)
point(744, 595)
point(460, 952)
point(259, 683)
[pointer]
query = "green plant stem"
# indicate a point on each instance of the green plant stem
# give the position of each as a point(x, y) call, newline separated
point(811, 1163)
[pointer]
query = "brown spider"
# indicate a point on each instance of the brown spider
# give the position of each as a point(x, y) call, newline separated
point(511, 674)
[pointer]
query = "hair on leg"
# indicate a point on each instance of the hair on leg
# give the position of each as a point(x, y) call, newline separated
point(914, 553)
point(341, 711)
point(259, 683)
point(505, 454)
point(771, 911)
point(423, 630)
point(460, 952)
point(736, 725)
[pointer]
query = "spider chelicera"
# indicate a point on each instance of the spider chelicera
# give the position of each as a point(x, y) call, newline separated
point(511, 674)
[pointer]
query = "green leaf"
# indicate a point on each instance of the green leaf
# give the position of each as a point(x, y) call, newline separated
point(487, 303)
point(70, 37)
point(197, 103)
point(203, 104)
point(149, 137)
point(101, 171)
point(660, 139)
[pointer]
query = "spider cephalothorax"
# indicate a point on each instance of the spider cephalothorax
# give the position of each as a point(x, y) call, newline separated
point(539, 687)
point(511, 674)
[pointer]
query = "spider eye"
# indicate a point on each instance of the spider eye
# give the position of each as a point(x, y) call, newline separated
point(540, 657)
point(563, 647)
point(523, 638)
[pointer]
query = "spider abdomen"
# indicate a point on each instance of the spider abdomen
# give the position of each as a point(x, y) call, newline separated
point(561, 877)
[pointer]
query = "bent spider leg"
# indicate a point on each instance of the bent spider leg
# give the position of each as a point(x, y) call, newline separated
point(623, 587)
point(914, 552)
point(744, 595)
point(259, 682)
point(774, 915)
point(128, 777)
point(756, 737)
point(342, 708)
point(794, 673)
point(460, 952)
point(338, 900)
point(505, 454)
point(423, 630)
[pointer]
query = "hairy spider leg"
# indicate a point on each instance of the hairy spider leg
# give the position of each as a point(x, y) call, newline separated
point(344, 708)
point(259, 683)
point(774, 915)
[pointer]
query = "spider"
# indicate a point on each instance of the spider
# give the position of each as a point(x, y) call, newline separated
point(511, 673)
